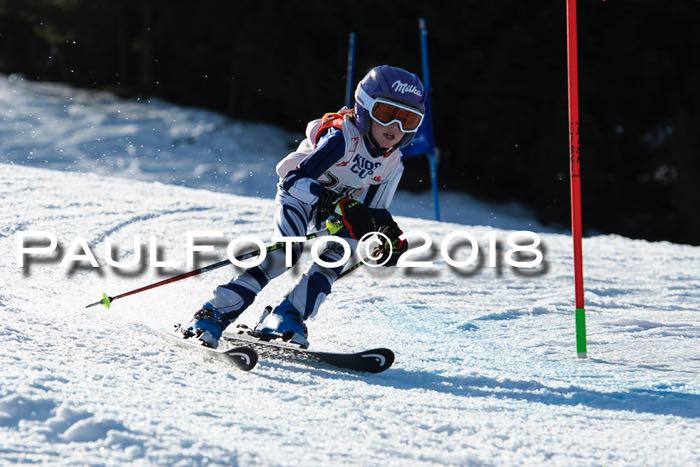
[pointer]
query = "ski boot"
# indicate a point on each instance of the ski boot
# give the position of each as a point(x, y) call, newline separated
point(284, 322)
point(206, 325)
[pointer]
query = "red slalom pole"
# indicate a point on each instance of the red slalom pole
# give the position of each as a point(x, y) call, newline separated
point(575, 156)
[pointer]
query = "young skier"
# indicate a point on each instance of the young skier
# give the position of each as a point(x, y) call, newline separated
point(349, 165)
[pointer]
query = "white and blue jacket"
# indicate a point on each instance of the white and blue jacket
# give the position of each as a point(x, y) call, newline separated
point(340, 161)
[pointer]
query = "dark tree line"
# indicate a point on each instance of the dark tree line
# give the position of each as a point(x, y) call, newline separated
point(498, 74)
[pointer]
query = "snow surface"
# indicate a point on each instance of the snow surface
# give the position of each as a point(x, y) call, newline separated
point(55, 126)
point(485, 373)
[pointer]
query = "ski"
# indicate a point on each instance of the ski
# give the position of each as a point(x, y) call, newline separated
point(242, 357)
point(370, 361)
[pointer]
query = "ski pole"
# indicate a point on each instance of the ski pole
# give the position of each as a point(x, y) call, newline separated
point(107, 300)
point(350, 269)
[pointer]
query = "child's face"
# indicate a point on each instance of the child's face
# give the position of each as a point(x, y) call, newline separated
point(386, 136)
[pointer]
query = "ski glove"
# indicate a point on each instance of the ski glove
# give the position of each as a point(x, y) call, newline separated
point(390, 251)
point(356, 217)
point(327, 201)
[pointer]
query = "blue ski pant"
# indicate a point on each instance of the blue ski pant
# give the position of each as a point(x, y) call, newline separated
point(292, 218)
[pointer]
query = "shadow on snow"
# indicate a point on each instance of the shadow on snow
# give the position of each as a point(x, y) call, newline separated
point(650, 401)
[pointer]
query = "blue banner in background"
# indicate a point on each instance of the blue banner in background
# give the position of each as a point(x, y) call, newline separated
point(424, 142)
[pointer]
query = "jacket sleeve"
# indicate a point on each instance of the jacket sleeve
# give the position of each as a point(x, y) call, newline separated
point(301, 182)
point(292, 160)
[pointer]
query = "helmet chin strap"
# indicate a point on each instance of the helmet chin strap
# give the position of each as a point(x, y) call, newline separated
point(374, 149)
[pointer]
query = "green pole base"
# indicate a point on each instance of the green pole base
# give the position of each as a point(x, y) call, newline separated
point(581, 333)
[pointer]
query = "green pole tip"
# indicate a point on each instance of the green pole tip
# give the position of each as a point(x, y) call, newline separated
point(106, 300)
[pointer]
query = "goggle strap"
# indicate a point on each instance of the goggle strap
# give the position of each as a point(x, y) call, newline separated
point(364, 99)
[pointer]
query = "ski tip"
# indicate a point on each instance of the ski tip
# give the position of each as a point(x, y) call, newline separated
point(378, 360)
point(245, 358)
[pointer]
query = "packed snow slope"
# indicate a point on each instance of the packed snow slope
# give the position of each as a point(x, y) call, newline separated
point(56, 126)
point(486, 371)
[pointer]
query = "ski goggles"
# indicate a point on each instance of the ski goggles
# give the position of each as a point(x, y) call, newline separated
point(386, 112)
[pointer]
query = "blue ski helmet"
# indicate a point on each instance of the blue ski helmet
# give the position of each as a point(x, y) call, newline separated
point(391, 83)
